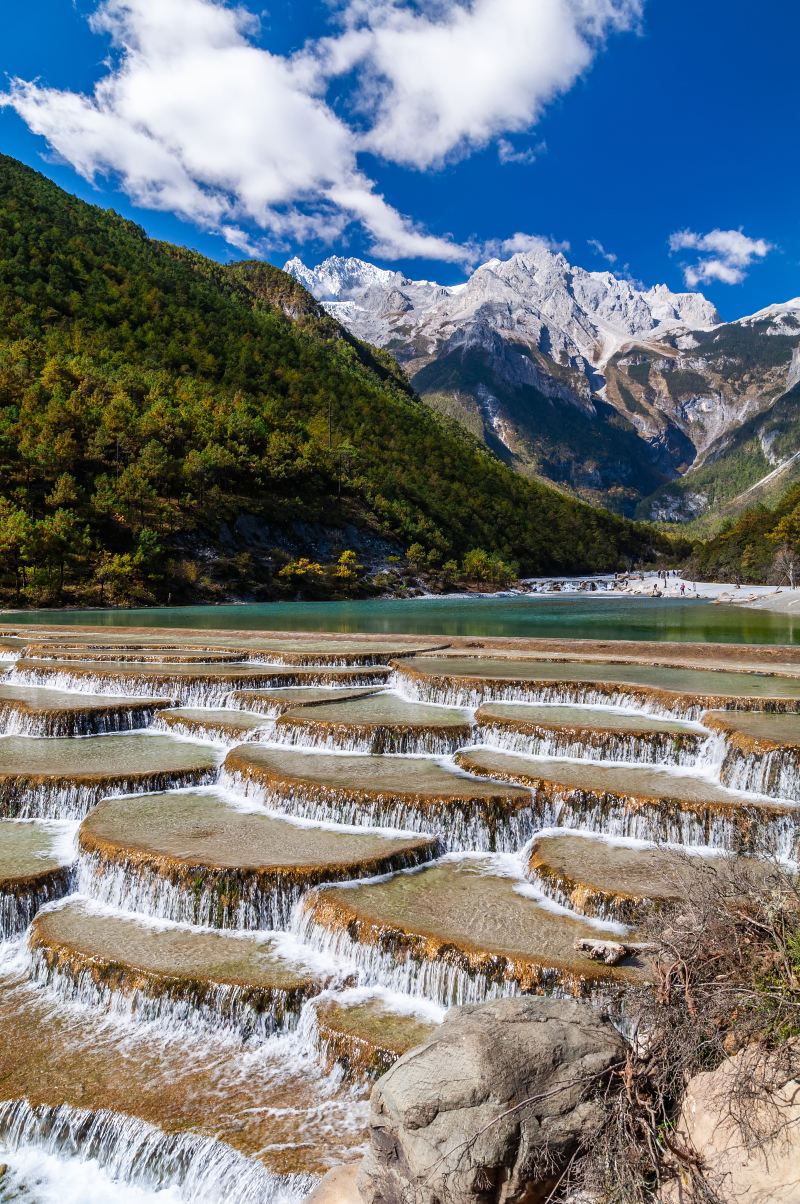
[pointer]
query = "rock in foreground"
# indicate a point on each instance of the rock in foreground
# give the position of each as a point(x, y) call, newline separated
point(450, 1120)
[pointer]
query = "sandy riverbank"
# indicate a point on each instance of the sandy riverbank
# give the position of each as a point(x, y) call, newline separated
point(780, 599)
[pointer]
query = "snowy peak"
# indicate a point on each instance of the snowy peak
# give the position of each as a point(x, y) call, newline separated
point(339, 278)
point(783, 318)
point(581, 317)
point(585, 377)
point(611, 303)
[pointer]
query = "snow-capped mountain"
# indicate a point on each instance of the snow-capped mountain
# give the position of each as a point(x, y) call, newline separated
point(572, 315)
point(582, 377)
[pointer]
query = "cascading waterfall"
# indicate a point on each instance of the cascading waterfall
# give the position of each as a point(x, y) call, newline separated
point(352, 739)
point(737, 829)
point(203, 692)
point(456, 693)
point(197, 693)
point(193, 1010)
point(311, 660)
point(440, 981)
point(59, 724)
point(130, 1150)
point(316, 1045)
point(461, 827)
point(37, 797)
point(216, 733)
point(211, 900)
point(652, 748)
point(774, 772)
point(20, 905)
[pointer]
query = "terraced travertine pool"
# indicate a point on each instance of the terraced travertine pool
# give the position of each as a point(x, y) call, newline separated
point(241, 874)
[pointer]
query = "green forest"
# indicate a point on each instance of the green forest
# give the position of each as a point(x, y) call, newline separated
point(761, 545)
point(150, 397)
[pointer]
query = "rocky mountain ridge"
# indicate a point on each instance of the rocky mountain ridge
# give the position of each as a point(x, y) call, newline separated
point(619, 393)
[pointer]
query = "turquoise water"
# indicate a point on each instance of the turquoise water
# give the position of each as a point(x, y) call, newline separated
point(575, 617)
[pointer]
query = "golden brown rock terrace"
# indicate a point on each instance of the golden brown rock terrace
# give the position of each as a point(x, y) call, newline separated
point(187, 681)
point(642, 800)
point(236, 978)
point(39, 711)
point(224, 857)
point(388, 790)
point(757, 729)
point(35, 867)
point(274, 702)
point(472, 680)
point(207, 723)
point(612, 879)
point(608, 734)
point(279, 1111)
point(366, 1036)
point(60, 778)
point(462, 917)
point(382, 723)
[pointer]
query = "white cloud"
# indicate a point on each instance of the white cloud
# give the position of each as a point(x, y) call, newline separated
point(597, 246)
point(194, 117)
point(503, 248)
point(724, 255)
point(443, 77)
point(507, 152)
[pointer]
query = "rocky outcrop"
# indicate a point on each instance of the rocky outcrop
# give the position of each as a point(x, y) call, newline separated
point(742, 1120)
point(491, 1107)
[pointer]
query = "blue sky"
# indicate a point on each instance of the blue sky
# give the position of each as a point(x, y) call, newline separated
point(428, 134)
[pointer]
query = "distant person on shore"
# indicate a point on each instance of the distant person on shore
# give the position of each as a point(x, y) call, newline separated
point(683, 588)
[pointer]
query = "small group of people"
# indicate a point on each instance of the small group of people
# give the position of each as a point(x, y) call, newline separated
point(664, 576)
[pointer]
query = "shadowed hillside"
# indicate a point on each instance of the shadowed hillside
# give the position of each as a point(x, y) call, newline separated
point(171, 427)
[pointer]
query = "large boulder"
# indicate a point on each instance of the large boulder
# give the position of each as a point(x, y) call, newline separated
point(742, 1121)
point(491, 1107)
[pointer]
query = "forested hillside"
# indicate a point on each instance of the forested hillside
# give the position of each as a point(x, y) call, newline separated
point(762, 545)
point(174, 428)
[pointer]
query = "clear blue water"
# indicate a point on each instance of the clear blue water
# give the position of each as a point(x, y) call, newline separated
point(575, 617)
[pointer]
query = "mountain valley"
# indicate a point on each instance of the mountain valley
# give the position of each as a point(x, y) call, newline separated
point(644, 401)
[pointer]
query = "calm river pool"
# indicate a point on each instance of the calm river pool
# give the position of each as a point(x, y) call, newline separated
point(569, 616)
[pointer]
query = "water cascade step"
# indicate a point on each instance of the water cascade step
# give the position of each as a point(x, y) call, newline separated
point(470, 681)
point(38, 711)
point(274, 702)
point(364, 1033)
point(187, 977)
point(270, 1100)
point(329, 649)
point(575, 731)
point(36, 859)
point(458, 932)
point(48, 1150)
point(221, 725)
point(387, 791)
point(615, 879)
point(645, 802)
point(382, 723)
point(762, 751)
point(143, 655)
point(62, 779)
point(198, 685)
point(195, 857)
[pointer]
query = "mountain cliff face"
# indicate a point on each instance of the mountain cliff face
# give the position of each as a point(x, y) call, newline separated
point(621, 394)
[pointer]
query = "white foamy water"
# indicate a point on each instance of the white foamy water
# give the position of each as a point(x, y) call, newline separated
point(73, 1156)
